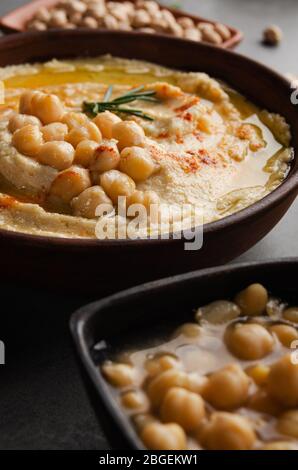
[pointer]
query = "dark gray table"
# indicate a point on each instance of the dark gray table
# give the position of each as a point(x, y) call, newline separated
point(43, 404)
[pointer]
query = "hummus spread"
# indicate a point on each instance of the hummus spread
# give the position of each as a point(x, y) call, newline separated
point(201, 144)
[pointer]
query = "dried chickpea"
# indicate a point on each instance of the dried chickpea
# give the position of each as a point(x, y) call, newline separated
point(42, 14)
point(106, 157)
point(69, 183)
point(252, 300)
point(280, 445)
point(84, 152)
point(88, 132)
point(185, 22)
point(134, 400)
point(75, 6)
point(227, 388)
point(227, 431)
point(28, 140)
point(110, 22)
point(86, 203)
point(58, 19)
point(183, 407)
point(291, 314)
point(272, 35)
point(141, 18)
point(73, 119)
point(193, 34)
point(223, 31)
point(89, 22)
point(48, 108)
point(54, 131)
point(25, 104)
point(105, 122)
point(117, 184)
point(157, 436)
point(210, 35)
point(248, 341)
point(218, 312)
point(58, 154)
point(283, 381)
point(119, 375)
point(17, 121)
point(128, 134)
point(285, 333)
point(288, 423)
point(259, 373)
point(36, 25)
point(156, 365)
point(136, 163)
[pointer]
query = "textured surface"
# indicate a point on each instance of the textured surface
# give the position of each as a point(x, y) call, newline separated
point(42, 400)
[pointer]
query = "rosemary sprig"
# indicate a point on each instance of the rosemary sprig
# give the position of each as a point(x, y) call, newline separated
point(93, 108)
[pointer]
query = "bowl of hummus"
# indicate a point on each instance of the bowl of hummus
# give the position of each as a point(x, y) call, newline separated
point(123, 155)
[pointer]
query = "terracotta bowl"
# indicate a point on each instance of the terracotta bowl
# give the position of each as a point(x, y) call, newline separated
point(16, 20)
point(127, 321)
point(106, 266)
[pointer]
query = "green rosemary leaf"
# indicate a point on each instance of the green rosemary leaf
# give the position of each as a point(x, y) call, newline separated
point(108, 94)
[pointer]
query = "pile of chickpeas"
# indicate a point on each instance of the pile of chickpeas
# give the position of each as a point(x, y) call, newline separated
point(143, 15)
point(249, 401)
point(96, 160)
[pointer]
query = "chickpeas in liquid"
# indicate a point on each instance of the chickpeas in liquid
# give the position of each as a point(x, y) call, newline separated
point(227, 381)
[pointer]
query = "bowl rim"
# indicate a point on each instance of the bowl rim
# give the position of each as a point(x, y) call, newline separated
point(81, 318)
point(286, 188)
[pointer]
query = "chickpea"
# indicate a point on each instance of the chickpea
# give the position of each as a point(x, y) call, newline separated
point(285, 333)
point(227, 431)
point(86, 203)
point(185, 22)
point(57, 154)
point(17, 121)
point(105, 122)
point(36, 25)
point(291, 314)
point(134, 400)
point(288, 423)
point(28, 140)
point(218, 312)
point(252, 300)
point(260, 401)
point(89, 22)
point(25, 104)
point(106, 157)
point(119, 375)
point(141, 420)
point(128, 134)
point(193, 34)
point(183, 407)
point(280, 445)
point(85, 152)
point(58, 19)
point(54, 131)
point(48, 108)
point(283, 381)
point(223, 31)
point(144, 198)
point(136, 163)
point(248, 341)
point(73, 119)
point(157, 436)
point(156, 365)
point(227, 388)
point(160, 384)
point(110, 22)
point(88, 132)
point(190, 330)
point(117, 184)
point(69, 183)
point(259, 373)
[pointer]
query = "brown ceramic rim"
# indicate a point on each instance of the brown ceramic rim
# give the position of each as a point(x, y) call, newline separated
point(8, 22)
point(288, 186)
